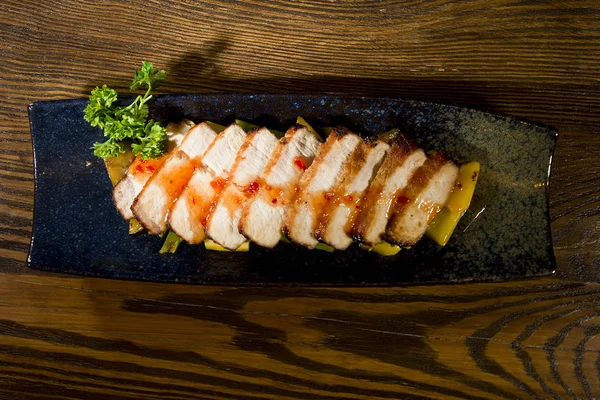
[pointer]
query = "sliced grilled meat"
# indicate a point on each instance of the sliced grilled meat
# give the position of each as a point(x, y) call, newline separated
point(338, 216)
point(262, 219)
point(223, 223)
point(155, 200)
point(189, 214)
point(315, 189)
point(423, 198)
point(403, 159)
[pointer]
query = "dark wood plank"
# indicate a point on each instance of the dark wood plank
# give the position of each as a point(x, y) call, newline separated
point(94, 338)
point(575, 206)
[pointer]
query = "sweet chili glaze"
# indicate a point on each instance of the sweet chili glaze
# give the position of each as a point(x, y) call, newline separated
point(277, 195)
point(353, 204)
point(200, 205)
point(350, 201)
point(319, 204)
point(177, 179)
point(402, 199)
point(300, 163)
point(202, 202)
point(142, 170)
point(234, 197)
point(218, 183)
point(153, 204)
point(253, 188)
point(329, 203)
point(411, 194)
point(176, 182)
point(280, 195)
point(430, 208)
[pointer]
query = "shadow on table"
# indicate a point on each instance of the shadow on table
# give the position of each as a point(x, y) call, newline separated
point(201, 72)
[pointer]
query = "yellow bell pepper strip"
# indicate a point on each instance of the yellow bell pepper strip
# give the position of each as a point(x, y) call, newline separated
point(445, 222)
point(247, 126)
point(285, 239)
point(117, 168)
point(171, 243)
point(320, 246)
point(324, 247)
point(216, 127)
point(211, 245)
point(383, 248)
point(388, 136)
point(302, 121)
point(135, 226)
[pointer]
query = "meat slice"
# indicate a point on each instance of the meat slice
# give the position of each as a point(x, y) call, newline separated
point(155, 200)
point(189, 214)
point(403, 159)
point(262, 219)
point(138, 173)
point(337, 218)
point(315, 189)
point(423, 198)
point(248, 167)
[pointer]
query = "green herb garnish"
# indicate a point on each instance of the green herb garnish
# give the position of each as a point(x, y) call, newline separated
point(147, 138)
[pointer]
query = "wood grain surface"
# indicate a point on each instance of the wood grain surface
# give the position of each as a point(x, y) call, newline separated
point(93, 338)
point(69, 337)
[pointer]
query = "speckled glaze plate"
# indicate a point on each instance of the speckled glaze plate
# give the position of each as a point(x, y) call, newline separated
point(505, 234)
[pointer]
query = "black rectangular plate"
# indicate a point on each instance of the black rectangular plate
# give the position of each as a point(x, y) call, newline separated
point(505, 234)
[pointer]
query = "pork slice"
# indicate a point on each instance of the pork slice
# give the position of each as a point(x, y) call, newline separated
point(425, 195)
point(223, 223)
point(337, 218)
point(138, 173)
point(262, 218)
point(403, 159)
point(189, 214)
point(155, 200)
point(315, 189)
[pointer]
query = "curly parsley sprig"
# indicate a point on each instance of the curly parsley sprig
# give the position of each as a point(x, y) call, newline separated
point(148, 139)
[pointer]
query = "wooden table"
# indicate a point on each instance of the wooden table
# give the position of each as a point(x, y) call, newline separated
point(64, 337)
